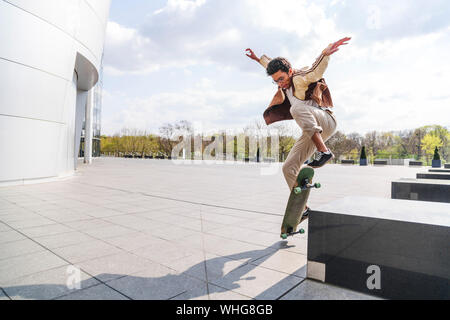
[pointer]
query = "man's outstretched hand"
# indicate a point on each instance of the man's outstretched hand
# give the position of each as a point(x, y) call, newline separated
point(251, 54)
point(333, 47)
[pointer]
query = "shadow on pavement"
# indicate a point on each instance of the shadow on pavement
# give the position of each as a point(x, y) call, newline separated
point(180, 285)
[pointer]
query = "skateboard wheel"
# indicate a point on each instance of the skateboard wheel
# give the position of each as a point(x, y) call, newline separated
point(301, 231)
point(317, 185)
point(297, 190)
point(284, 236)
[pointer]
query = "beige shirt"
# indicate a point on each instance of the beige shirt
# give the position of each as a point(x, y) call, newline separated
point(296, 101)
point(299, 102)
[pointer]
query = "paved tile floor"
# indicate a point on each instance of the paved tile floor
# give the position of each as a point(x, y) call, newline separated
point(159, 229)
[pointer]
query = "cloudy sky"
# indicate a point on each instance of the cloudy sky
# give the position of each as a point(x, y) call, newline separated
point(171, 60)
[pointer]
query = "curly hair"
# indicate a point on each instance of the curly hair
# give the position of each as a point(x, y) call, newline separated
point(278, 64)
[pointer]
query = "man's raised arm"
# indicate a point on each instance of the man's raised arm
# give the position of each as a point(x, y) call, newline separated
point(315, 73)
point(264, 60)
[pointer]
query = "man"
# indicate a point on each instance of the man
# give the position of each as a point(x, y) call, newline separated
point(303, 96)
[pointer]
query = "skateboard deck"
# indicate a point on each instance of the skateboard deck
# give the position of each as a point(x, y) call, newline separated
point(293, 215)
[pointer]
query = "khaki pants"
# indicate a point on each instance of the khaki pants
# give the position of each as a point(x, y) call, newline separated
point(310, 119)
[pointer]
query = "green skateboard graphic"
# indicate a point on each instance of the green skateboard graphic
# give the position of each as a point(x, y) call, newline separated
point(293, 215)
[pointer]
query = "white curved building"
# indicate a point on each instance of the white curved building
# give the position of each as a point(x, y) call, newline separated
point(50, 57)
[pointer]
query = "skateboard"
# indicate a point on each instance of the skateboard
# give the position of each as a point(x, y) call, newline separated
point(293, 215)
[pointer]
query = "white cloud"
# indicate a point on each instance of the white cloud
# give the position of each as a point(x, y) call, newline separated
point(188, 33)
point(120, 35)
point(214, 109)
point(125, 50)
point(289, 16)
point(181, 5)
point(374, 17)
point(393, 74)
point(397, 84)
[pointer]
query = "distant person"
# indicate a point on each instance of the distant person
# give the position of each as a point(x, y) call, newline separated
point(308, 102)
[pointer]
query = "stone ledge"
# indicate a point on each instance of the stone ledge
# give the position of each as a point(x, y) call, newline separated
point(383, 247)
point(421, 189)
point(433, 175)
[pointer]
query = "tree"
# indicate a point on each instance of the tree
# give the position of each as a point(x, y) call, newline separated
point(429, 142)
point(339, 144)
point(346, 145)
point(356, 140)
point(285, 140)
point(443, 134)
point(170, 135)
point(398, 144)
point(370, 140)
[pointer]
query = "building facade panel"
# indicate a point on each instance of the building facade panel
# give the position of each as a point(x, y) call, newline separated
point(33, 42)
point(91, 32)
point(31, 93)
point(62, 14)
point(50, 55)
point(101, 8)
point(29, 148)
point(67, 134)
